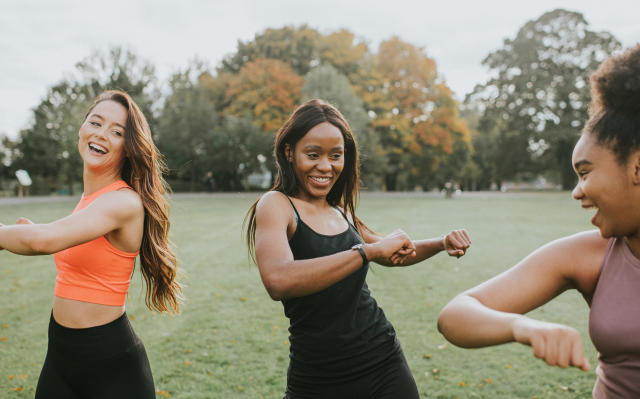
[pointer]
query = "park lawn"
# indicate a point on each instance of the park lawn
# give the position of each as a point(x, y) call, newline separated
point(231, 339)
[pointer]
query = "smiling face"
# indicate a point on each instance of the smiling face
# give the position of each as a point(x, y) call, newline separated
point(101, 137)
point(318, 160)
point(608, 186)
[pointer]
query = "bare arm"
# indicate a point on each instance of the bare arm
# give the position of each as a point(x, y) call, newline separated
point(284, 277)
point(109, 212)
point(492, 313)
point(455, 243)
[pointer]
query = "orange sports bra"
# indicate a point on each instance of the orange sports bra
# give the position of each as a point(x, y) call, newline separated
point(95, 271)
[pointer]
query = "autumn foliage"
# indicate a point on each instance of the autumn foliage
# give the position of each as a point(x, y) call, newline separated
point(266, 89)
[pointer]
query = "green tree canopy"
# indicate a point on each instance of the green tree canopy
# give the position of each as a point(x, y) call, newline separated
point(535, 105)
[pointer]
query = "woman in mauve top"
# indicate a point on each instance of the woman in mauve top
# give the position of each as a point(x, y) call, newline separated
point(313, 254)
point(92, 350)
point(604, 265)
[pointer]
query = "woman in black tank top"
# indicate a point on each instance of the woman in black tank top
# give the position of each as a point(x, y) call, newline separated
point(313, 254)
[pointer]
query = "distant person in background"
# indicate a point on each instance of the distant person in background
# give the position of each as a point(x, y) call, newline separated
point(209, 182)
point(604, 264)
point(313, 254)
point(93, 352)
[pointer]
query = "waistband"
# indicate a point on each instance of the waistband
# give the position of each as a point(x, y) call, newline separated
point(102, 341)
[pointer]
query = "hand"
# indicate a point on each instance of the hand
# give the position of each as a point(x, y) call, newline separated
point(23, 221)
point(1, 225)
point(395, 247)
point(456, 243)
point(556, 344)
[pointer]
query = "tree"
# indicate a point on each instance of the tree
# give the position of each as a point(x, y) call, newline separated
point(238, 147)
point(346, 54)
point(6, 156)
point(120, 68)
point(414, 114)
point(196, 139)
point(49, 149)
point(326, 83)
point(265, 90)
point(188, 117)
point(296, 47)
point(536, 103)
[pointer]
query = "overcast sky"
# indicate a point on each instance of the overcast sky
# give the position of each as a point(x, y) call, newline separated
point(40, 41)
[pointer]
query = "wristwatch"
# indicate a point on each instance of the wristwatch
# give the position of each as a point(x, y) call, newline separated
point(358, 247)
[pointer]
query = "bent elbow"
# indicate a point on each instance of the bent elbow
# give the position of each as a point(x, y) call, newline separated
point(275, 286)
point(443, 319)
point(449, 325)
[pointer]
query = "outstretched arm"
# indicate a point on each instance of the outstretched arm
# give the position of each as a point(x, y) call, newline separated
point(109, 212)
point(455, 243)
point(492, 313)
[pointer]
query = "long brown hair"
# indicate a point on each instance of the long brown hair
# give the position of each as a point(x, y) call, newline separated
point(143, 170)
point(345, 192)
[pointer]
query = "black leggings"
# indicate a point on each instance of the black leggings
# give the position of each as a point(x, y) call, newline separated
point(393, 380)
point(107, 361)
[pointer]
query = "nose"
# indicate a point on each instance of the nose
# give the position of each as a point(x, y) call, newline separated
point(324, 164)
point(577, 193)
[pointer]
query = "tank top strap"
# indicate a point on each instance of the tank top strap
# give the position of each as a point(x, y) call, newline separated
point(337, 208)
point(295, 211)
point(87, 199)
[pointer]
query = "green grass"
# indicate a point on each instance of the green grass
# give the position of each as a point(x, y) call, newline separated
point(231, 339)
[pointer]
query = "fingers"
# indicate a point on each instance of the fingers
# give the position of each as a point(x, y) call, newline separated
point(457, 242)
point(577, 357)
point(559, 346)
point(24, 221)
point(401, 255)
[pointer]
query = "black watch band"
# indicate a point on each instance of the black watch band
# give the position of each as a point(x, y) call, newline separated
point(358, 247)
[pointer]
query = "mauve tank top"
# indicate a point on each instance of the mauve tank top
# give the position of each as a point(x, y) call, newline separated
point(339, 333)
point(614, 323)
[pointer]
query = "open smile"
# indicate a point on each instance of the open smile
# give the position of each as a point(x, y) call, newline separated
point(320, 180)
point(98, 149)
point(590, 207)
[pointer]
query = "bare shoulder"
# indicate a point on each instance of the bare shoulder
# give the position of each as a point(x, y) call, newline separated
point(124, 203)
point(272, 200)
point(584, 253)
point(275, 207)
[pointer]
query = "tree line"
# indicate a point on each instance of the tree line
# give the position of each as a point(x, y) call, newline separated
point(221, 121)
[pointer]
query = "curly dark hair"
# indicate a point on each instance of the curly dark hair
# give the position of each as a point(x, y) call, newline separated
point(614, 113)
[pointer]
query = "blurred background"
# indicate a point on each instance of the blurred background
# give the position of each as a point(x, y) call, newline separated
point(441, 95)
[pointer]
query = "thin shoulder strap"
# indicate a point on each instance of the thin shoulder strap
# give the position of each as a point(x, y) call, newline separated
point(295, 211)
point(343, 214)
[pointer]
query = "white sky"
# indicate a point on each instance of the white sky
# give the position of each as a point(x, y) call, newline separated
point(40, 41)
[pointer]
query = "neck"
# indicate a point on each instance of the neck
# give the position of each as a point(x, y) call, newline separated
point(634, 244)
point(95, 180)
point(319, 202)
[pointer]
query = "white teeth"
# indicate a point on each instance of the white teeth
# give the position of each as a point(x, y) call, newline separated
point(321, 179)
point(98, 148)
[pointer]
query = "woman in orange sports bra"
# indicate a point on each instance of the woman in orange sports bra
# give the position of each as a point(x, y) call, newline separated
point(123, 213)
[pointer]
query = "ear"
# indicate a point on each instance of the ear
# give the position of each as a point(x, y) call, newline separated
point(288, 152)
point(634, 165)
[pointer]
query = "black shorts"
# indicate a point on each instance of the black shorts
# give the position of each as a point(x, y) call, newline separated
point(392, 380)
point(107, 361)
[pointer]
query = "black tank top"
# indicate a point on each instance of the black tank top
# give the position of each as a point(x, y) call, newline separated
point(339, 333)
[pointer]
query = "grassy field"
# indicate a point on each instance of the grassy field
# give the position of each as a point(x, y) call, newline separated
point(231, 339)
